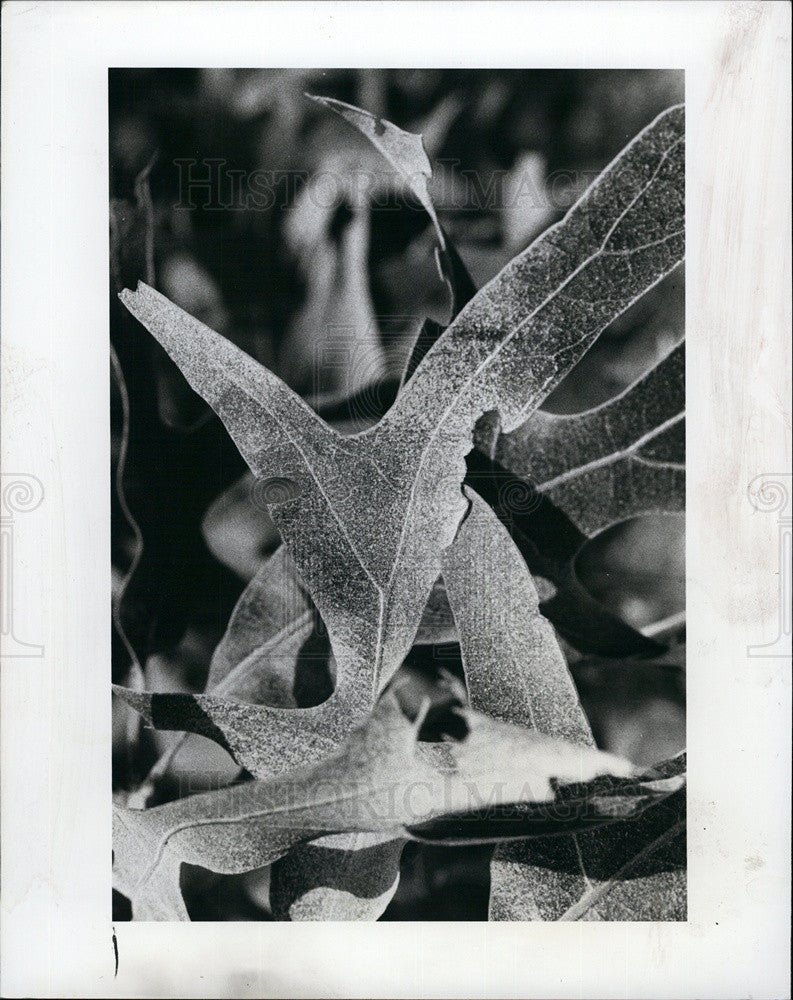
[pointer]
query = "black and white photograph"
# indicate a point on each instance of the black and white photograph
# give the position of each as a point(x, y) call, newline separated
point(398, 441)
point(395, 532)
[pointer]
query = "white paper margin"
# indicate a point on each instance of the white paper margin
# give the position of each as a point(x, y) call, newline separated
point(56, 924)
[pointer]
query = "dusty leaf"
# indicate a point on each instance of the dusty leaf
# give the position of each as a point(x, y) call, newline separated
point(515, 670)
point(527, 328)
point(369, 515)
point(274, 654)
point(635, 343)
point(623, 458)
point(381, 780)
point(262, 739)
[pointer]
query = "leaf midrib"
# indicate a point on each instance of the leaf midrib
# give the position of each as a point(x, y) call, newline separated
point(598, 892)
point(615, 456)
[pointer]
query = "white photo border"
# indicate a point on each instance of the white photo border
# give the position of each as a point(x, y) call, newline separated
point(57, 935)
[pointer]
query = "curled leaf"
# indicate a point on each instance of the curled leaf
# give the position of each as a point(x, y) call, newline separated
point(403, 150)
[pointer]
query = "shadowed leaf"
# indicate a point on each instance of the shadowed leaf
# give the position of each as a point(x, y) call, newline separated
point(341, 877)
point(628, 871)
point(558, 479)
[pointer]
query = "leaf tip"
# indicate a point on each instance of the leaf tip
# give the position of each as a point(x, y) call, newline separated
point(127, 295)
point(135, 699)
point(330, 103)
